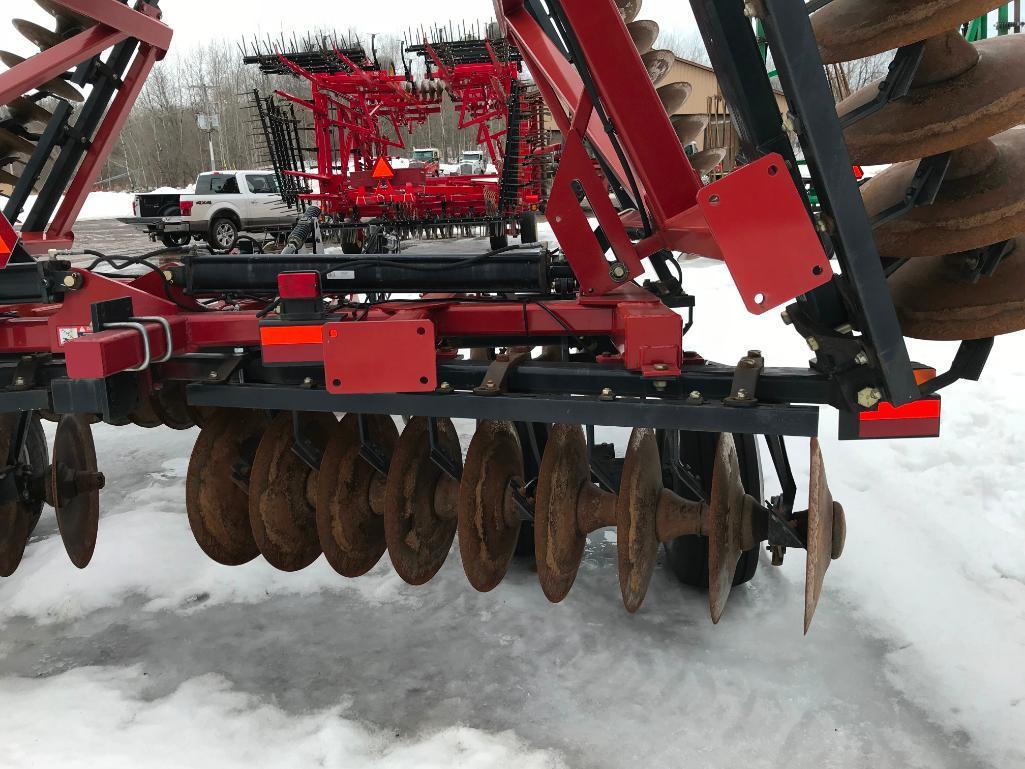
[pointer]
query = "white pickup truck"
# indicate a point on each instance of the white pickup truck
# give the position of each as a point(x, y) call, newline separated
point(224, 204)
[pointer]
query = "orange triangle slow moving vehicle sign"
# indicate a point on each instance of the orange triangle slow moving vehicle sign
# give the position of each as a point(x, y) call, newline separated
point(8, 240)
point(383, 169)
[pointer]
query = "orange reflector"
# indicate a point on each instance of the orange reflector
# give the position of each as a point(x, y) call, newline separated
point(383, 169)
point(923, 375)
point(8, 240)
point(920, 419)
point(279, 335)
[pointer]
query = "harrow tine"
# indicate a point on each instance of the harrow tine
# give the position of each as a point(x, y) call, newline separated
point(217, 485)
point(489, 519)
point(282, 492)
point(827, 533)
point(350, 494)
point(421, 499)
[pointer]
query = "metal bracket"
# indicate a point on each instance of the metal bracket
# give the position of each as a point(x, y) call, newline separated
point(922, 190)
point(303, 447)
point(438, 455)
point(369, 451)
point(682, 471)
point(968, 364)
point(745, 381)
point(497, 376)
point(895, 86)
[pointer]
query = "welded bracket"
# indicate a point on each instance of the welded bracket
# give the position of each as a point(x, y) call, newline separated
point(496, 380)
point(438, 454)
point(369, 451)
point(745, 381)
point(895, 86)
point(922, 190)
point(303, 446)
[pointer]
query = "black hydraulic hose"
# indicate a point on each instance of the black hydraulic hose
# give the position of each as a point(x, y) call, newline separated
point(302, 231)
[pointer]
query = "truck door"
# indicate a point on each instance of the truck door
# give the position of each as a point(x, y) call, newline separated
point(264, 201)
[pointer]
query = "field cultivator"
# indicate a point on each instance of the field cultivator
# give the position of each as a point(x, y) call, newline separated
point(360, 111)
point(264, 350)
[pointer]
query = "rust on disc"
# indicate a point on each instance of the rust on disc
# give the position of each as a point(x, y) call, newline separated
point(724, 522)
point(419, 539)
point(673, 96)
point(144, 414)
point(18, 515)
point(689, 127)
point(856, 29)
point(706, 160)
point(636, 512)
point(75, 484)
point(489, 525)
point(202, 415)
point(934, 302)
point(659, 64)
point(984, 204)
point(938, 117)
point(558, 540)
point(351, 531)
point(644, 33)
point(282, 498)
point(169, 404)
point(628, 9)
point(822, 512)
point(216, 497)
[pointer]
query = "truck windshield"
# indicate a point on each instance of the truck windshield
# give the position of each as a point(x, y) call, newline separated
point(217, 184)
point(425, 156)
point(473, 156)
point(262, 183)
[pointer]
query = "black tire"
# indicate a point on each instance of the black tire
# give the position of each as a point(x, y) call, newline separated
point(38, 459)
point(688, 556)
point(528, 228)
point(499, 239)
point(223, 234)
point(176, 240)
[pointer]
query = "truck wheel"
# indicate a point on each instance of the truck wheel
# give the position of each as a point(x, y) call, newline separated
point(178, 239)
point(528, 227)
point(498, 237)
point(223, 234)
point(688, 556)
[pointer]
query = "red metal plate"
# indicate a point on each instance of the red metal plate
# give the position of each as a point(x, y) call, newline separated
point(390, 356)
point(8, 240)
point(768, 240)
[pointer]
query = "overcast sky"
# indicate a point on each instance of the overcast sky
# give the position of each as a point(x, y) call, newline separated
point(195, 21)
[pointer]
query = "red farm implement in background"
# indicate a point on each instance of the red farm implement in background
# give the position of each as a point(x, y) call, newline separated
point(264, 350)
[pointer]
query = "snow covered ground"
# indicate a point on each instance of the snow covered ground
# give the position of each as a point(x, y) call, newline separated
point(156, 657)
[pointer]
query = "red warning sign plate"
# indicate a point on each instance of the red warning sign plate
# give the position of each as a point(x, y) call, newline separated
point(383, 169)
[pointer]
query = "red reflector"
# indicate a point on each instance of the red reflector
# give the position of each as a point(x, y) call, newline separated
point(859, 173)
point(927, 409)
point(8, 240)
point(383, 169)
point(185, 206)
point(275, 335)
point(299, 285)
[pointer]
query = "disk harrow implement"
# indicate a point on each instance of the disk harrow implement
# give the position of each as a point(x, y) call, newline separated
point(960, 210)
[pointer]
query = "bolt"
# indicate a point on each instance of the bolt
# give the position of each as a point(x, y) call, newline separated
point(845, 328)
point(813, 343)
point(19, 381)
point(70, 281)
point(754, 353)
point(861, 359)
point(785, 316)
point(695, 395)
point(606, 392)
point(661, 367)
point(445, 387)
point(618, 272)
point(212, 375)
point(869, 397)
point(661, 386)
point(168, 276)
point(308, 382)
point(491, 384)
point(741, 394)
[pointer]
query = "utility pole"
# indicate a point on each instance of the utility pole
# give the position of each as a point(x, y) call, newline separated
point(208, 120)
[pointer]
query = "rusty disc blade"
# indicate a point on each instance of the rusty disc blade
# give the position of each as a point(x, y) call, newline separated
point(938, 117)
point(67, 20)
point(202, 415)
point(659, 64)
point(984, 204)
point(6, 177)
point(644, 33)
point(56, 87)
point(628, 9)
point(856, 29)
point(17, 515)
point(689, 127)
point(27, 112)
point(673, 96)
point(170, 406)
point(282, 493)
point(41, 37)
point(636, 512)
point(419, 539)
point(144, 414)
point(351, 531)
point(558, 540)
point(75, 483)
point(822, 511)
point(725, 517)
point(215, 487)
point(707, 160)
point(935, 302)
point(489, 524)
point(12, 145)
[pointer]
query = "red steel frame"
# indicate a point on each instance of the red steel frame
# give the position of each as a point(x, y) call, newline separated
point(648, 335)
point(115, 22)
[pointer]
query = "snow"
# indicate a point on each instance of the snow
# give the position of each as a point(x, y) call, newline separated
point(99, 205)
point(155, 657)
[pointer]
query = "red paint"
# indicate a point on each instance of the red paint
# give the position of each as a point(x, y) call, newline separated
point(354, 353)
